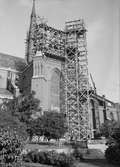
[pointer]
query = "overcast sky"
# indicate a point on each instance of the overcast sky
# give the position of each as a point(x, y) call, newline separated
point(102, 20)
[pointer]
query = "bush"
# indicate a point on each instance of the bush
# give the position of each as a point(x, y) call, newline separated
point(78, 155)
point(50, 158)
point(112, 154)
point(107, 128)
point(42, 157)
point(65, 160)
point(10, 147)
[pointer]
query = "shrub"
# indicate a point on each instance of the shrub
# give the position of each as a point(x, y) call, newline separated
point(42, 157)
point(10, 148)
point(112, 154)
point(65, 160)
point(27, 158)
point(77, 154)
point(50, 158)
point(107, 128)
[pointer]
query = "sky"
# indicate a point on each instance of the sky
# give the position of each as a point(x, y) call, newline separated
point(102, 20)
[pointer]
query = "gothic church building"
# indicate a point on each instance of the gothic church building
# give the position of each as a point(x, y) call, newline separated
point(42, 72)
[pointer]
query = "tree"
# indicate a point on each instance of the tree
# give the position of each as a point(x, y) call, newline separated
point(11, 146)
point(50, 124)
point(23, 107)
point(112, 153)
point(19, 111)
point(106, 128)
point(116, 133)
point(12, 139)
point(35, 127)
point(53, 125)
point(7, 120)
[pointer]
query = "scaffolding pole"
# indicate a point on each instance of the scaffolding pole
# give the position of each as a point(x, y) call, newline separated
point(70, 45)
point(77, 81)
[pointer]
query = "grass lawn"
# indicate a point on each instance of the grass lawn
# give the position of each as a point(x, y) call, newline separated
point(44, 146)
point(36, 165)
point(87, 163)
point(95, 163)
point(48, 147)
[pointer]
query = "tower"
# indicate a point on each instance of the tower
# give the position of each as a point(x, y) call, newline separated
point(60, 71)
point(48, 60)
point(77, 82)
point(30, 35)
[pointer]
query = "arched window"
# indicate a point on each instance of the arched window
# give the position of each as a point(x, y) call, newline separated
point(55, 90)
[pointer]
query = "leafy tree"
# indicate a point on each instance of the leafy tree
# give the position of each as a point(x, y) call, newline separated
point(106, 128)
point(53, 125)
point(50, 124)
point(12, 137)
point(11, 146)
point(116, 134)
point(35, 127)
point(20, 112)
point(23, 107)
point(112, 153)
point(7, 120)
point(114, 137)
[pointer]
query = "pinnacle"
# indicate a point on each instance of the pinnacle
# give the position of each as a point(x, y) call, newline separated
point(33, 14)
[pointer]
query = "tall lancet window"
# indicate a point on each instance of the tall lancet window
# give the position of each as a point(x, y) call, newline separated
point(55, 90)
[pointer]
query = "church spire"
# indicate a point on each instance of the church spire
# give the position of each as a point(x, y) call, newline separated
point(30, 44)
point(33, 14)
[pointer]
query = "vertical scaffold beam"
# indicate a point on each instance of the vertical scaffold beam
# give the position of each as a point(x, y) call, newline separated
point(77, 82)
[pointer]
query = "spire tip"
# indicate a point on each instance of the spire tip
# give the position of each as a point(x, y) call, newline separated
point(33, 9)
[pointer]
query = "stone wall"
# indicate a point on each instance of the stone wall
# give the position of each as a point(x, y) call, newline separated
point(26, 79)
point(3, 78)
point(44, 80)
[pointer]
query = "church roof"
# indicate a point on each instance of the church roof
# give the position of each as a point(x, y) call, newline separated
point(5, 93)
point(101, 99)
point(12, 62)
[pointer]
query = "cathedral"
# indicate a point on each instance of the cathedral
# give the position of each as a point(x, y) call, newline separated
point(42, 71)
